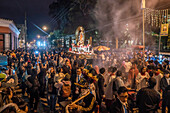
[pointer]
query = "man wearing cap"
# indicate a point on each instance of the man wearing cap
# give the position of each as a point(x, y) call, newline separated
point(165, 81)
point(148, 98)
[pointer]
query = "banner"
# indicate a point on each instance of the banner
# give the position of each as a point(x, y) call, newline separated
point(164, 30)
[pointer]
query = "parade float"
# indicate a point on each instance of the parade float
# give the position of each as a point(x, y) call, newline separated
point(78, 46)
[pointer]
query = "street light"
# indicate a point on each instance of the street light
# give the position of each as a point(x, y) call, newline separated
point(44, 28)
point(38, 36)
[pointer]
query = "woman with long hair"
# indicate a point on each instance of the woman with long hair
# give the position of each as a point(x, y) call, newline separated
point(142, 78)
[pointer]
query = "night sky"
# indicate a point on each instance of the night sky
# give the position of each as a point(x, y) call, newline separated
point(37, 13)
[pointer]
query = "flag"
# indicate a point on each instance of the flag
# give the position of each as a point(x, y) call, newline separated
point(143, 4)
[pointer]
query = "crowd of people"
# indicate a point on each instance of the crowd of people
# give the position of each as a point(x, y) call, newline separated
point(117, 81)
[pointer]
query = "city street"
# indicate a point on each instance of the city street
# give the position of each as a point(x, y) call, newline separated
point(84, 56)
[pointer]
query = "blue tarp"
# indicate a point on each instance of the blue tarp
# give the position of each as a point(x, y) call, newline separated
point(3, 61)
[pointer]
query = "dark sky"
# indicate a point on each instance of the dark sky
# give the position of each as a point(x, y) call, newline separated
point(37, 12)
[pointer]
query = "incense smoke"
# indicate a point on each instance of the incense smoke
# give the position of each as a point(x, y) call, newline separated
point(121, 18)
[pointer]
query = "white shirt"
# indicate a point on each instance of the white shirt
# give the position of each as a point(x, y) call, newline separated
point(168, 80)
point(78, 78)
point(128, 66)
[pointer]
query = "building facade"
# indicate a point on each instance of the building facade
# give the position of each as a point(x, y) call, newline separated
point(8, 35)
point(21, 39)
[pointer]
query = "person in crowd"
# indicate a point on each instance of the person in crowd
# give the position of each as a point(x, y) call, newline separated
point(109, 96)
point(158, 76)
point(93, 84)
point(34, 90)
point(73, 59)
point(142, 78)
point(75, 79)
point(120, 105)
point(60, 75)
point(148, 98)
point(165, 81)
point(101, 85)
point(97, 69)
point(167, 97)
point(64, 88)
point(128, 66)
point(133, 72)
point(117, 82)
point(51, 94)
point(42, 81)
point(66, 67)
point(88, 100)
point(74, 68)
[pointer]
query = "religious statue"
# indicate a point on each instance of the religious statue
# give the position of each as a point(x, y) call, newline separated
point(80, 36)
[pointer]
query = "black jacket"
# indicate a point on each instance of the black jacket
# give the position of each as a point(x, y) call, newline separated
point(147, 100)
point(117, 107)
point(167, 96)
point(163, 84)
point(101, 85)
point(35, 83)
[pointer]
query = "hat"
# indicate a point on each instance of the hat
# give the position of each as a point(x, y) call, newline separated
point(83, 83)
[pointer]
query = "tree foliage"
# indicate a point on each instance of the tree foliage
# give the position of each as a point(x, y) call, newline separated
point(69, 14)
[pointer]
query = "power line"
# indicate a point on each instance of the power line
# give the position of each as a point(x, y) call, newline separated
point(59, 13)
point(63, 15)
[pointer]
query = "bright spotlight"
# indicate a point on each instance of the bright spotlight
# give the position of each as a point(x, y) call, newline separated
point(36, 52)
point(44, 43)
point(38, 43)
point(38, 36)
point(44, 28)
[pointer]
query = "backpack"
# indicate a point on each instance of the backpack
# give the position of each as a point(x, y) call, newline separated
point(66, 90)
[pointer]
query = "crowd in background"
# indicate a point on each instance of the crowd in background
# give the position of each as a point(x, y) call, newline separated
point(115, 78)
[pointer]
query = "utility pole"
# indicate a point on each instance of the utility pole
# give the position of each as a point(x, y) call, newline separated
point(143, 11)
point(25, 32)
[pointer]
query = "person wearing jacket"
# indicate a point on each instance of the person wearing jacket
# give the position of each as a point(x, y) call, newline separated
point(101, 85)
point(120, 105)
point(163, 85)
point(42, 81)
point(148, 98)
point(109, 94)
point(34, 90)
point(167, 97)
point(142, 79)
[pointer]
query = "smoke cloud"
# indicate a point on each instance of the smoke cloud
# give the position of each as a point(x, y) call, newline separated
point(117, 17)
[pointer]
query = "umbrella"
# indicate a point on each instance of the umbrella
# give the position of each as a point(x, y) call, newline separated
point(101, 48)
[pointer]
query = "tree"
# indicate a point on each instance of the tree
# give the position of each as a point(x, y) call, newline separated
point(69, 14)
point(54, 36)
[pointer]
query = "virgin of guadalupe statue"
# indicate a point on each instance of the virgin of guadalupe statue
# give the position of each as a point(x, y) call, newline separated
point(80, 36)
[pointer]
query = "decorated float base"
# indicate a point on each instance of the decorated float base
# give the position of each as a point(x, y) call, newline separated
point(87, 55)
